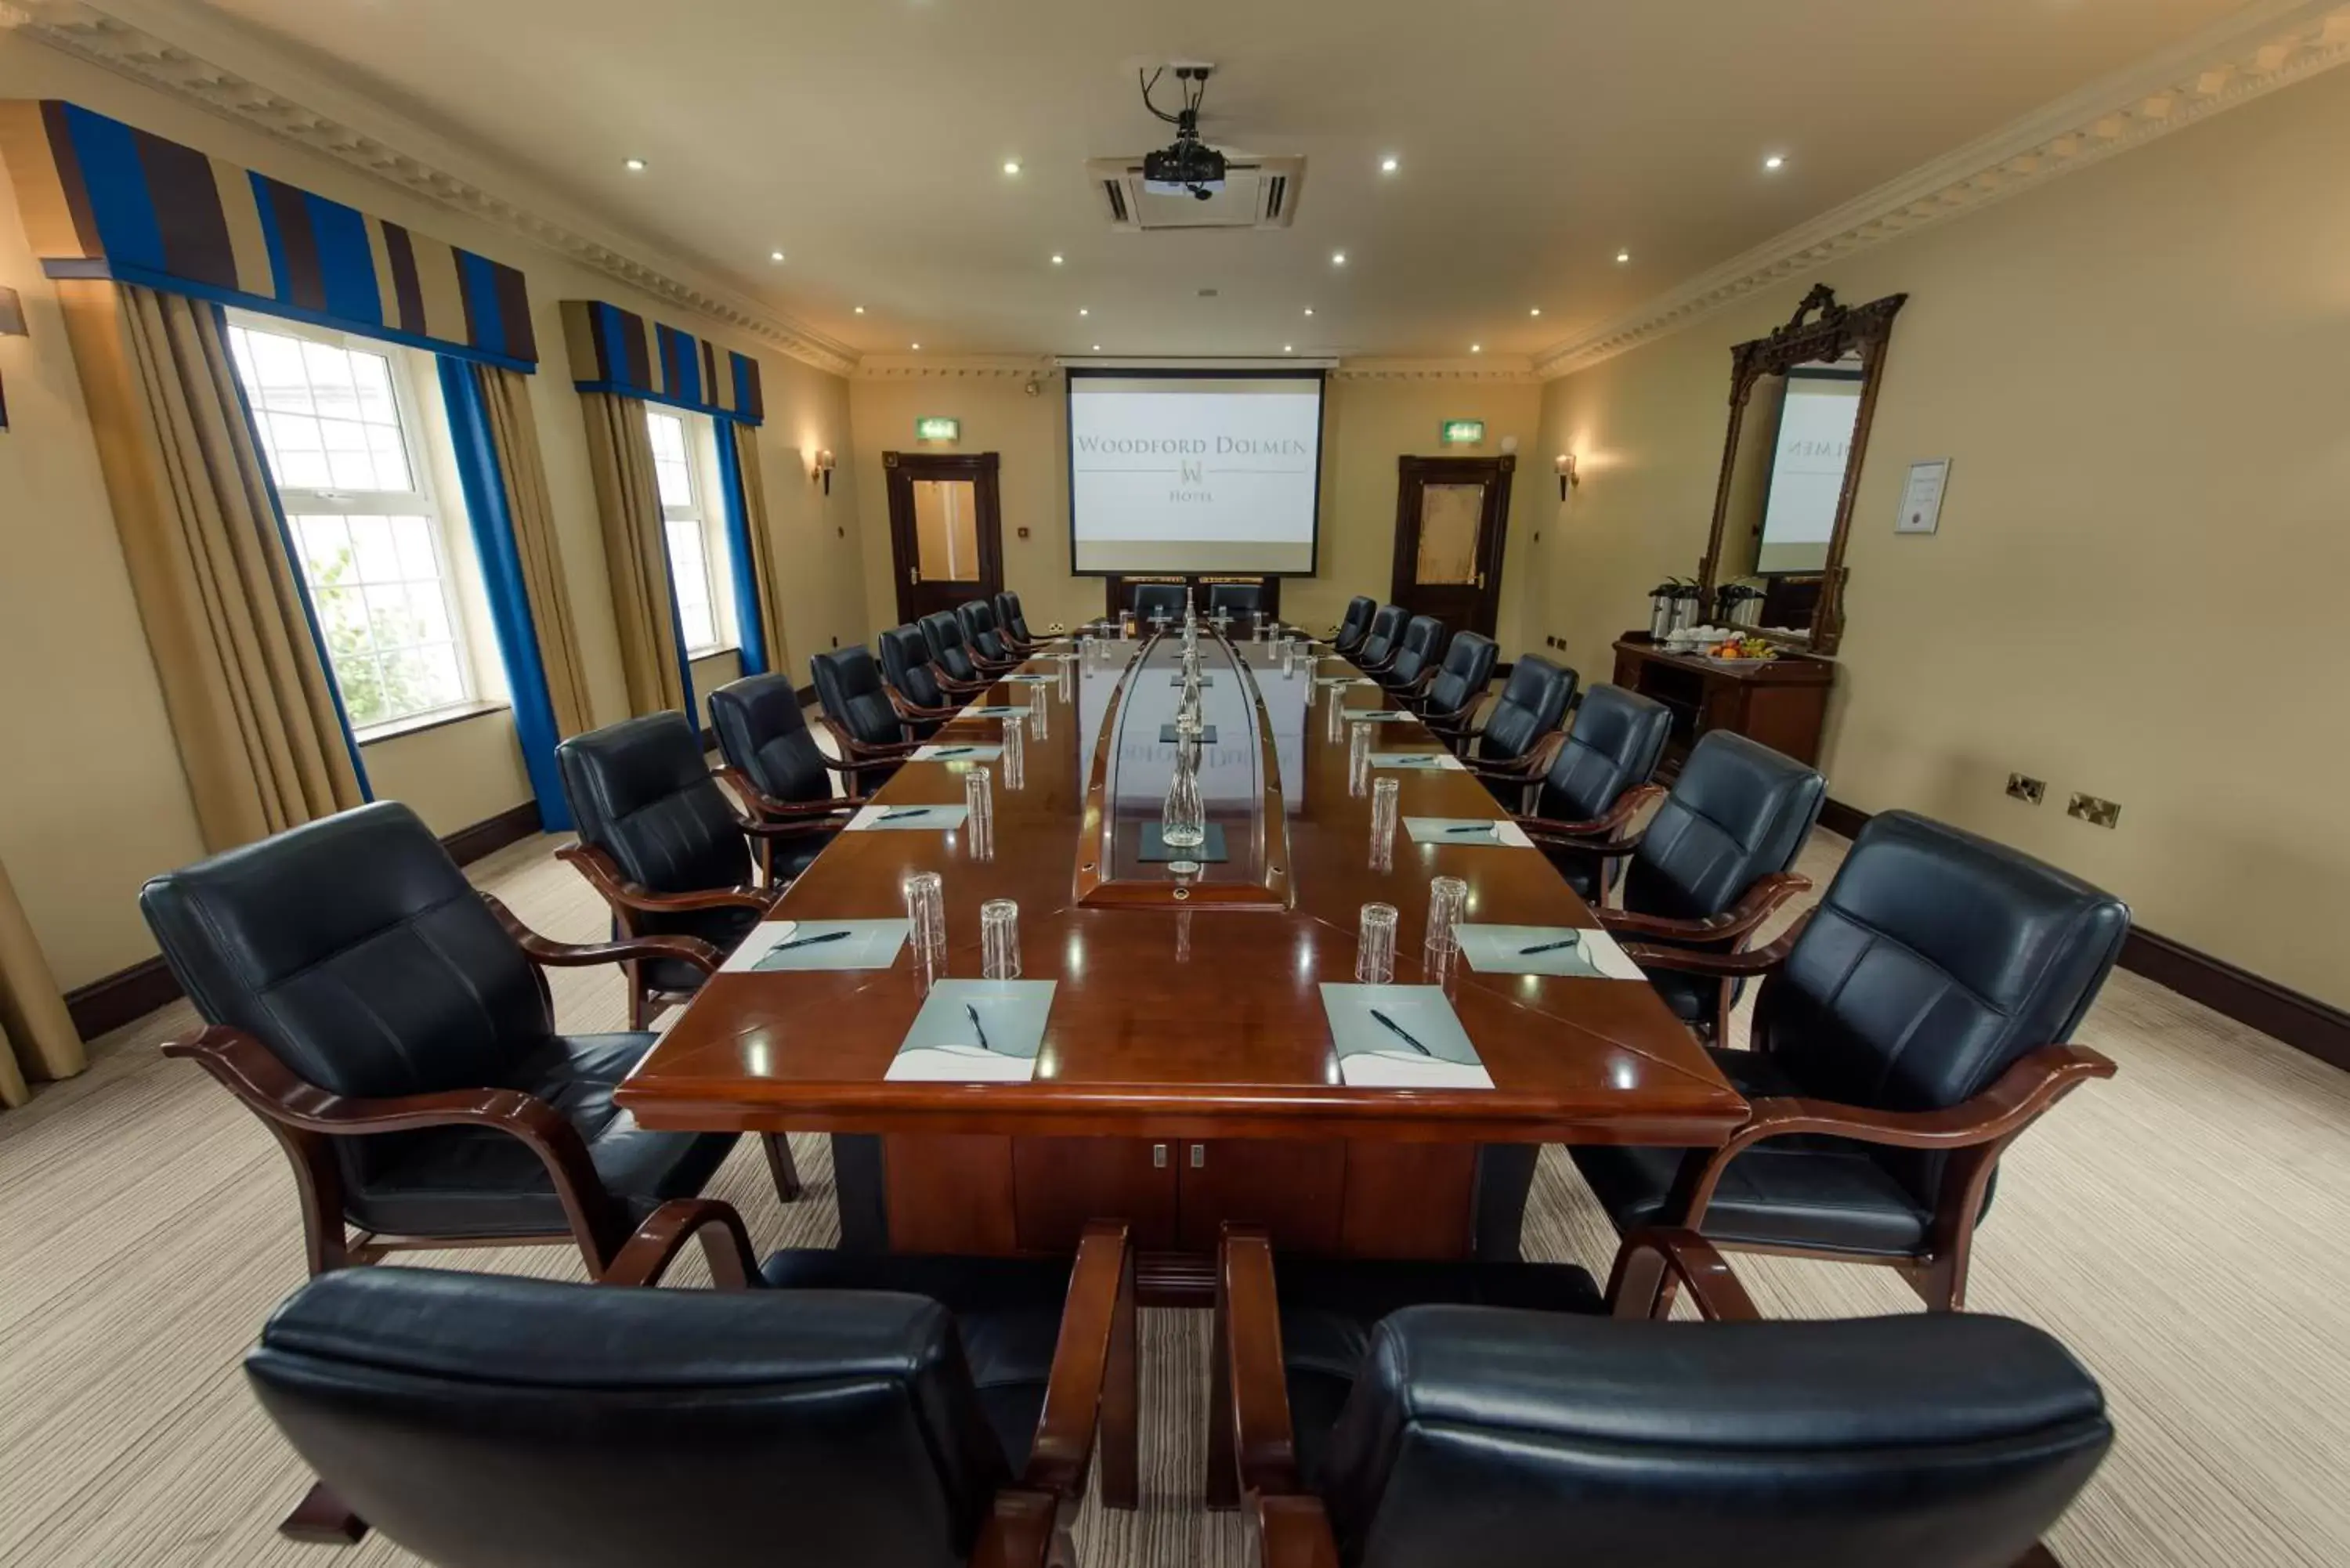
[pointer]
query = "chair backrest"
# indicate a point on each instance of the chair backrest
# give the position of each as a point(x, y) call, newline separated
point(1467, 666)
point(1738, 812)
point(640, 792)
point(978, 618)
point(849, 686)
point(1521, 1439)
point(1618, 738)
point(482, 1421)
point(1932, 962)
point(1421, 645)
point(906, 665)
point(356, 950)
point(1007, 615)
point(1355, 625)
point(1158, 600)
point(1387, 625)
point(1237, 600)
point(1531, 704)
point(761, 731)
point(950, 650)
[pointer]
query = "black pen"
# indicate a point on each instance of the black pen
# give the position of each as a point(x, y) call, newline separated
point(1429, 758)
point(978, 1027)
point(1400, 1032)
point(904, 810)
point(807, 941)
point(1477, 828)
point(1546, 947)
point(954, 750)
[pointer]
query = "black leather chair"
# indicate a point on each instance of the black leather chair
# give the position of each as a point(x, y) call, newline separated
point(1009, 619)
point(1508, 752)
point(777, 770)
point(1909, 1028)
point(925, 695)
point(1239, 600)
point(1355, 625)
point(1708, 870)
point(854, 1413)
point(863, 719)
point(1380, 643)
point(390, 1026)
point(952, 652)
point(979, 631)
point(1164, 599)
point(1450, 701)
point(1417, 653)
point(1428, 1415)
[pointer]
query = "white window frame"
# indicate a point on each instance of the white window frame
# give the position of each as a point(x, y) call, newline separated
point(421, 501)
point(696, 432)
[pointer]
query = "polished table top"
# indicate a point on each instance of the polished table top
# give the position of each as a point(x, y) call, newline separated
point(1180, 1018)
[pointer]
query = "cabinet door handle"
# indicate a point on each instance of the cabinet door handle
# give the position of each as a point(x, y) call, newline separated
point(1158, 1157)
point(1199, 1156)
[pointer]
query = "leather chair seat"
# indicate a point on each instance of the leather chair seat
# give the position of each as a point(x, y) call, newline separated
point(1006, 1310)
point(476, 1181)
point(1329, 1308)
point(723, 929)
point(1804, 1190)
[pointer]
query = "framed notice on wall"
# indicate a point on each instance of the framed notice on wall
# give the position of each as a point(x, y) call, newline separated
point(1921, 498)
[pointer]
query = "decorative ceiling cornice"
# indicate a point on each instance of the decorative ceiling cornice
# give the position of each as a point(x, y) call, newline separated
point(2268, 45)
point(197, 61)
point(1493, 368)
point(957, 368)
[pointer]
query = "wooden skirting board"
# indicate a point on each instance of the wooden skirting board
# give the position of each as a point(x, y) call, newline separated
point(132, 993)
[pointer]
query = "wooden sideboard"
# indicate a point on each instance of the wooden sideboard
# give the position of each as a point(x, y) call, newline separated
point(1781, 702)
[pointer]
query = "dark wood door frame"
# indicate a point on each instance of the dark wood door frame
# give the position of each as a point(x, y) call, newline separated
point(902, 468)
point(1413, 474)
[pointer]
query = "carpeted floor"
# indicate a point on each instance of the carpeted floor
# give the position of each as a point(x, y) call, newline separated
point(2179, 1227)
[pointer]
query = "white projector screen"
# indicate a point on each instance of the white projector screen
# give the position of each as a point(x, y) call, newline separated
point(1815, 421)
point(1194, 470)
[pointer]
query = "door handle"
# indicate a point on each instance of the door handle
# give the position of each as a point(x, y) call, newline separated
point(1158, 1157)
point(1199, 1156)
point(913, 576)
point(1480, 582)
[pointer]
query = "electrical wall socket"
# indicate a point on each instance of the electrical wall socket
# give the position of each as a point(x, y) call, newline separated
point(2028, 790)
point(2096, 813)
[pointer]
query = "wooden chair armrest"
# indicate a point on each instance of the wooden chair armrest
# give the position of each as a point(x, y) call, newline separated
point(257, 1075)
point(551, 954)
point(1740, 919)
point(1101, 1285)
point(1018, 1531)
point(2029, 1087)
point(854, 750)
point(1720, 966)
point(604, 874)
point(1294, 1533)
point(763, 805)
point(1648, 1255)
point(1265, 1443)
point(646, 1256)
point(909, 709)
point(1524, 768)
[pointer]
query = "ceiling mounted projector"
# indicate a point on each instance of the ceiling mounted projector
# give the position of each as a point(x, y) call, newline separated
point(1190, 166)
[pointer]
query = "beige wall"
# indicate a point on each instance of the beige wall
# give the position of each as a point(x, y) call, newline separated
point(1366, 425)
point(92, 801)
point(2138, 374)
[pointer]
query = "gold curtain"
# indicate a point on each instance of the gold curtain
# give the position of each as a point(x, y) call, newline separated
point(628, 498)
point(36, 1037)
point(765, 567)
point(505, 394)
point(251, 702)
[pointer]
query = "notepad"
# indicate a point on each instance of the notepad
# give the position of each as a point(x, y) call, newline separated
point(1420, 1046)
point(956, 752)
point(1344, 681)
point(914, 819)
point(1033, 677)
point(997, 711)
point(975, 1031)
point(777, 945)
point(1375, 715)
point(1473, 831)
point(1421, 762)
point(1499, 949)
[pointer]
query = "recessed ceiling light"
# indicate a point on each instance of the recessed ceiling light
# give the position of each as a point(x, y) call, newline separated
point(1476, 347)
point(1288, 349)
point(1337, 259)
point(1388, 165)
point(1309, 310)
point(861, 310)
point(1083, 311)
point(918, 347)
point(1097, 348)
point(1056, 258)
point(1011, 166)
point(1622, 256)
point(1775, 161)
point(774, 256)
point(633, 165)
point(1536, 311)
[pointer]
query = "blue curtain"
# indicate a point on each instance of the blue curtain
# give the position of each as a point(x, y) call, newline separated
point(517, 634)
point(749, 623)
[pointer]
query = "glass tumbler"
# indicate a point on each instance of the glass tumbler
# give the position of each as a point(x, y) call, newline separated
point(1375, 947)
point(1359, 760)
point(1040, 716)
point(1448, 901)
point(1015, 757)
point(979, 820)
point(1337, 705)
point(1383, 821)
point(926, 913)
point(998, 940)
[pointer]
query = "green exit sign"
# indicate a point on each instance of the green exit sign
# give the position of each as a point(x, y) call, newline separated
point(937, 427)
point(1463, 432)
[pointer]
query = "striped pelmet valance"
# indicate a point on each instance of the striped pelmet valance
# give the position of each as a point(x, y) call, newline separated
point(102, 199)
point(617, 350)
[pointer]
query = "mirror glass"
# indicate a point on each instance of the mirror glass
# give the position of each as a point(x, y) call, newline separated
point(1785, 480)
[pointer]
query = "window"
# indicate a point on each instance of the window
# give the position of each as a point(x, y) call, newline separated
point(697, 547)
point(339, 427)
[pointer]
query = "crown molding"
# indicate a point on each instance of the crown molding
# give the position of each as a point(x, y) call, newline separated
point(2268, 45)
point(1488, 367)
point(227, 71)
point(957, 368)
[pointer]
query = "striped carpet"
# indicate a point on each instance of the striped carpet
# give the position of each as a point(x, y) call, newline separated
point(2179, 1227)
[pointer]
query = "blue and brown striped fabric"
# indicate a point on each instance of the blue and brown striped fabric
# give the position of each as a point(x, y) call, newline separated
point(617, 350)
point(102, 199)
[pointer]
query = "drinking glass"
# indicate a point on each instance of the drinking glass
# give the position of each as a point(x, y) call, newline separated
point(1336, 701)
point(1375, 947)
point(1383, 822)
point(998, 940)
point(1069, 678)
point(1359, 760)
point(925, 912)
point(1288, 660)
point(1258, 635)
point(1040, 716)
point(1015, 758)
point(1448, 901)
point(978, 799)
point(1085, 654)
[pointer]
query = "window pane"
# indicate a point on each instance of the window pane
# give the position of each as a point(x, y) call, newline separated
point(690, 570)
point(379, 557)
point(671, 466)
point(413, 536)
point(326, 548)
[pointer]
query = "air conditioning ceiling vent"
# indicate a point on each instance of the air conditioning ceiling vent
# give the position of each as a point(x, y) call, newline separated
point(1257, 194)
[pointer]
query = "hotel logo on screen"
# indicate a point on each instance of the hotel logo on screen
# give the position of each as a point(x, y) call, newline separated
point(1191, 453)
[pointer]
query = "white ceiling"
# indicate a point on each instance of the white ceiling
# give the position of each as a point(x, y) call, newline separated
point(866, 139)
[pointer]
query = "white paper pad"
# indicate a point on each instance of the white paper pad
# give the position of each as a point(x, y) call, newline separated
point(957, 752)
point(908, 818)
point(868, 944)
point(1372, 1056)
point(1496, 949)
point(1421, 761)
point(1434, 830)
point(943, 1044)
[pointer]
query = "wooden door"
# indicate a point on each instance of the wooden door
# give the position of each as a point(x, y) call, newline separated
point(946, 529)
point(1294, 1190)
point(1450, 516)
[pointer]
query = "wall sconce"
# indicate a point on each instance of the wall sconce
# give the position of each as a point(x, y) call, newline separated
point(820, 467)
point(12, 325)
point(1566, 473)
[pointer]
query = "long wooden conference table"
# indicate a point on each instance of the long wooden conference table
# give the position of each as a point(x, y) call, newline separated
point(1187, 1075)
